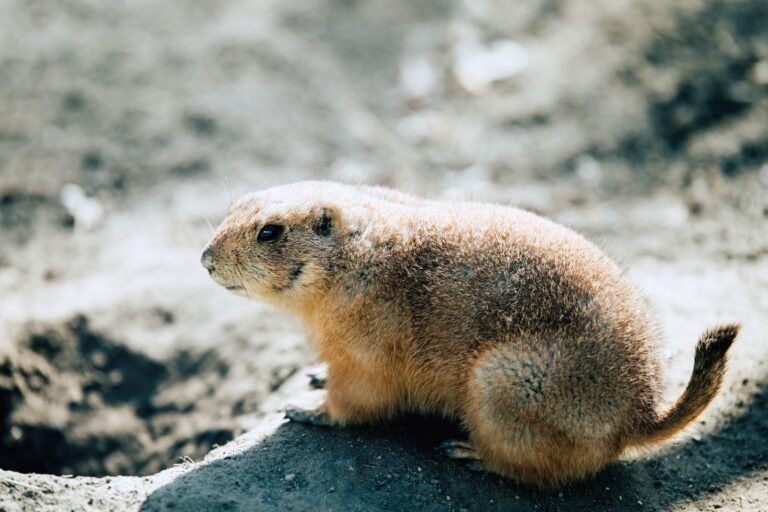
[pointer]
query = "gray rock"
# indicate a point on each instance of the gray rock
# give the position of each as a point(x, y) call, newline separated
point(394, 467)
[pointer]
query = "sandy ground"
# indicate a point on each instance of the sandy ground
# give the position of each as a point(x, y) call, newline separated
point(639, 123)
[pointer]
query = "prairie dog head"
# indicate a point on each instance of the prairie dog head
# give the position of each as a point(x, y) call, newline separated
point(275, 245)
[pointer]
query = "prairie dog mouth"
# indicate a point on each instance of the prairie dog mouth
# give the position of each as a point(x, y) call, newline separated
point(225, 283)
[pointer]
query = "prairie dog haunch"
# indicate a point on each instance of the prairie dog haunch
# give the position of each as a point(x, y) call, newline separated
point(507, 322)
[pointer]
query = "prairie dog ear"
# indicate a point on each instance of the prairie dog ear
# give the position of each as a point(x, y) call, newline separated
point(325, 219)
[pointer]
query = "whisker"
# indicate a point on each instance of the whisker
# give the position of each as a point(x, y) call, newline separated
point(213, 231)
point(240, 274)
point(225, 184)
point(224, 191)
point(242, 283)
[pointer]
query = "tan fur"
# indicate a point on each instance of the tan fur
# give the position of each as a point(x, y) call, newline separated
point(498, 318)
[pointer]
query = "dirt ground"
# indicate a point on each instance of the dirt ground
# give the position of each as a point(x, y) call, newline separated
point(127, 127)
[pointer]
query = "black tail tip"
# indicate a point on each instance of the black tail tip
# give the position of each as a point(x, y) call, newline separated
point(719, 339)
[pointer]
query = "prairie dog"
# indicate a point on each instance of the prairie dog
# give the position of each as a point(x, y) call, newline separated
point(514, 326)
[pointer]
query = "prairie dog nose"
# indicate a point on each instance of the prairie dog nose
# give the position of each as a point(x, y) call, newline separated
point(208, 257)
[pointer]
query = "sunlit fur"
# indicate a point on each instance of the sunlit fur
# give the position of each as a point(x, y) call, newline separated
point(498, 318)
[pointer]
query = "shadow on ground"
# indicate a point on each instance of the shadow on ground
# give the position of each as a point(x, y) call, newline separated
point(397, 467)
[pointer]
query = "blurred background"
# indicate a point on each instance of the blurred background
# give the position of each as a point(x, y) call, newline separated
point(127, 127)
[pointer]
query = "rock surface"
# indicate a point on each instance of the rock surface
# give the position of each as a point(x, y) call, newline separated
point(281, 465)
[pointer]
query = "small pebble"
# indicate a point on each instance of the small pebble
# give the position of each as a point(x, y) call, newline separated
point(115, 377)
point(16, 433)
point(418, 77)
point(87, 211)
point(476, 65)
point(289, 477)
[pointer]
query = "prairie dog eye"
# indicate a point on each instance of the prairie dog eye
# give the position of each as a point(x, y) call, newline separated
point(270, 233)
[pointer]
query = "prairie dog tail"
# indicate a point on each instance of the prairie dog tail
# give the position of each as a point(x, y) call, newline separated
point(707, 376)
